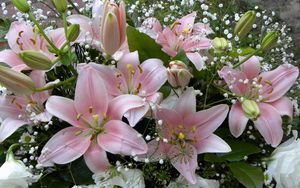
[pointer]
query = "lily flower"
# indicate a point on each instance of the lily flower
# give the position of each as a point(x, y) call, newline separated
point(263, 98)
point(96, 125)
point(17, 111)
point(184, 34)
point(22, 36)
point(131, 77)
point(186, 133)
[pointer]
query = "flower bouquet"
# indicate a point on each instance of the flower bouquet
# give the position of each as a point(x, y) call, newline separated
point(148, 94)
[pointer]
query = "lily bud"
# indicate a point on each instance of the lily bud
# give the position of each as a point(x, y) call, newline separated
point(36, 60)
point(220, 44)
point(73, 32)
point(61, 5)
point(245, 24)
point(113, 27)
point(21, 5)
point(269, 41)
point(16, 82)
point(178, 74)
point(251, 109)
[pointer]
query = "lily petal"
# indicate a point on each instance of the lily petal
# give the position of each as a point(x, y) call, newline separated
point(122, 104)
point(9, 126)
point(237, 120)
point(251, 67)
point(10, 58)
point(39, 79)
point(212, 144)
point(64, 109)
point(185, 163)
point(85, 27)
point(186, 104)
point(65, 146)
point(12, 106)
point(136, 114)
point(90, 94)
point(120, 138)
point(269, 124)
point(196, 59)
point(96, 159)
point(284, 106)
point(277, 82)
point(207, 121)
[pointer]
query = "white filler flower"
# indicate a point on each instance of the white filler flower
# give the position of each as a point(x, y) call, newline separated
point(285, 164)
point(201, 182)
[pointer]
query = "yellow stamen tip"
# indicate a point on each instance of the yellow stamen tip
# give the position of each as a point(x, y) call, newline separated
point(181, 136)
point(95, 117)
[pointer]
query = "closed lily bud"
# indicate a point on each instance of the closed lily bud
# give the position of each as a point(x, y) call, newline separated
point(251, 109)
point(113, 27)
point(245, 24)
point(61, 5)
point(178, 74)
point(220, 44)
point(21, 5)
point(16, 82)
point(36, 60)
point(269, 41)
point(73, 32)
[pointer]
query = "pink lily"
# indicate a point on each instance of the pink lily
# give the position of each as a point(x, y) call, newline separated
point(131, 77)
point(96, 125)
point(183, 34)
point(18, 111)
point(186, 133)
point(107, 27)
point(22, 36)
point(266, 91)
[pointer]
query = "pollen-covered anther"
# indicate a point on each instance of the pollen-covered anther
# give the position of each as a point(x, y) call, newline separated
point(78, 116)
point(181, 136)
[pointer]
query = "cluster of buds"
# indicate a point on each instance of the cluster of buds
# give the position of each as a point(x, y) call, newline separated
point(178, 74)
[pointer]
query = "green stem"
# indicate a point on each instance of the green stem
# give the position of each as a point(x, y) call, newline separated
point(9, 154)
point(206, 92)
point(247, 58)
point(56, 85)
point(42, 32)
point(73, 70)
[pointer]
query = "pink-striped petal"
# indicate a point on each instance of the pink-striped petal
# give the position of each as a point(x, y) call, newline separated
point(156, 150)
point(90, 94)
point(237, 120)
point(196, 59)
point(132, 59)
point(39, 79)
point(251, 67)
point(201, 28)
point(136, 114)
point(277, 82)
point(122, 104)
point(169, 42)
point(212, 144)
point(269, 124)
point(185, 161)
point(12, 106)
point(206, 121)
point(64, 109)
point(65, 146)
point(186, 104)
point(232, 77)
point(153, 76)
point(58, 37)
point(284, 106)
point(9, 126)
point(186, 22)
point(10, 58)
point(96, 159)
point(120, 138)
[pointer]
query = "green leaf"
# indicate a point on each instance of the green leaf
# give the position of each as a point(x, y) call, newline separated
point(249, 176)
point(181, 56)
point(145, 45)
point(239, 150)
point(210, 157)
point(165, 90)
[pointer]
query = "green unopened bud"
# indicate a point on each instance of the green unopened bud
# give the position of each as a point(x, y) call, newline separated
point(73, 32)
point(220, 44)
point(36, 60)
point(21, 5)
point(269, 41)
point(16, 82)
point(61, 5)
point(245, 24)
point(251, 109)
